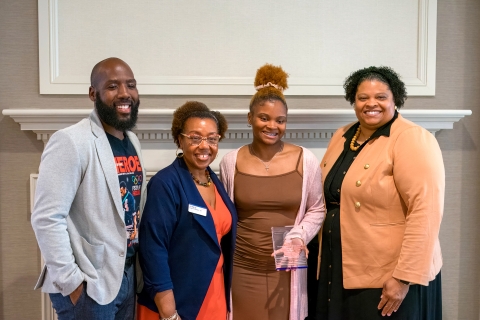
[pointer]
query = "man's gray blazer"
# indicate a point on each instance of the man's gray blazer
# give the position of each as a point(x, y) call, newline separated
point(78, 216)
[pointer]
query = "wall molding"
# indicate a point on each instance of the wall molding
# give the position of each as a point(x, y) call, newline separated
point(54, 54)
point(154, 124)
point(311, 128)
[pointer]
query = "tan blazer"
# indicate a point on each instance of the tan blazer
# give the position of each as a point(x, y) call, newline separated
point(391, 207)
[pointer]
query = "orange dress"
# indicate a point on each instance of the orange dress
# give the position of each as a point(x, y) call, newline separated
point(214, 306)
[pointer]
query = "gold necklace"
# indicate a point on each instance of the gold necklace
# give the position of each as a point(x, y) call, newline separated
point(265, 163)
point(204, 184)
point(354, 139)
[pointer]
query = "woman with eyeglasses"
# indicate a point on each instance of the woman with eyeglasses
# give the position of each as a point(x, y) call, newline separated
point(188, 227)
point(273, 184)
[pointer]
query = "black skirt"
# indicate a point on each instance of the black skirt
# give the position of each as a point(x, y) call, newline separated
point(336, 303)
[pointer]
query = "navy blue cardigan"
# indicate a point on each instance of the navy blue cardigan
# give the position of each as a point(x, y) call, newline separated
point(178, 249)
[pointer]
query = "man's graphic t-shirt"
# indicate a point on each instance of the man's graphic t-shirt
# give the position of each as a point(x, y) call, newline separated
point(130, 177)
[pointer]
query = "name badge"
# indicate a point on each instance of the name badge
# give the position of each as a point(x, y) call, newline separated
point(197, 210)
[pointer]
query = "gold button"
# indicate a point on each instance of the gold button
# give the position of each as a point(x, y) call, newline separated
point(366, 166)
point(330, 266)
point(338, 190)
point(358, 183)
point(357, 204)
point(344, 172)
point(329, 231)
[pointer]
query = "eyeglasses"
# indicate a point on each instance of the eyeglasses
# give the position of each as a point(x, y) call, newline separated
point(195, 140)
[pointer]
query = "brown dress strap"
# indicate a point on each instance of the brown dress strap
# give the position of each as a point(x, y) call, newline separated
point(299, 157)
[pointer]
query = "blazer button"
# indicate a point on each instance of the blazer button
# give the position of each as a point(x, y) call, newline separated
point(366, 166)
point(357, 204)
point(358, 183)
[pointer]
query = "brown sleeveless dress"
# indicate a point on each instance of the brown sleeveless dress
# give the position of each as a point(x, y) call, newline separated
point(262, 202)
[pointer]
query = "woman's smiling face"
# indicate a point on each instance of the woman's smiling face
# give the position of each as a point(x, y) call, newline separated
point(269, 121)
point(374, 104)
point(198, 157)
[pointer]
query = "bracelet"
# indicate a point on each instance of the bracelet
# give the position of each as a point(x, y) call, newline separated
point(172, 317)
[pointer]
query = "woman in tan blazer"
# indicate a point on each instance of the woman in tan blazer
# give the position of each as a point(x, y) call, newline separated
point(384, 184)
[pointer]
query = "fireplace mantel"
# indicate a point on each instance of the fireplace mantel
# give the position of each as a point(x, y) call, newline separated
point(154, 124)
point(311, 128)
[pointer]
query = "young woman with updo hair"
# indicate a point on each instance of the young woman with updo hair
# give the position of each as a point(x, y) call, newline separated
point(273, 183)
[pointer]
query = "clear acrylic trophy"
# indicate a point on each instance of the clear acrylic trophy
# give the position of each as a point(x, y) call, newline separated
point(287, 256)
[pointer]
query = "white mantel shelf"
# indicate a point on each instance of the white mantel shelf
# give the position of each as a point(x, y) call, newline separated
point(154, 125)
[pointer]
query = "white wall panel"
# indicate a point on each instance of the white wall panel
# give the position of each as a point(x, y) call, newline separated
point(213, 47)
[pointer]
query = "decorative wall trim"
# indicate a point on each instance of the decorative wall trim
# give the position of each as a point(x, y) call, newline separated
point(55, 41)
point(154, 124)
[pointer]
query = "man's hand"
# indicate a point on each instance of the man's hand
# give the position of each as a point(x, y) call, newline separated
point(392, 296)
point(75, 295)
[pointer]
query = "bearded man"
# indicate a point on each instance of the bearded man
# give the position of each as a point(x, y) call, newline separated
point(78, 216)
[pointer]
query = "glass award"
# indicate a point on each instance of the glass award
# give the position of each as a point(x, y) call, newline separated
point(287, 256)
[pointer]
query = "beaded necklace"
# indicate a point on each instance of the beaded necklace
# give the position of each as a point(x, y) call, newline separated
point(354, 139)
point(203, 184)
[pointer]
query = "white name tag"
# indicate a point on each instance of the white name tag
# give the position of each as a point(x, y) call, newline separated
point(197, 210)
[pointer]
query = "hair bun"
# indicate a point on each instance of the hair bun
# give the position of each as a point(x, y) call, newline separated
point(271, 76)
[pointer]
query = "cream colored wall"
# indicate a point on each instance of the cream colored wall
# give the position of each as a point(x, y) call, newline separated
point(458, 83)
point(165, 65)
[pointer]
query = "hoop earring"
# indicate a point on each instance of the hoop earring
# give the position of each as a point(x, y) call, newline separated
point(396, 108)
point(179, 155)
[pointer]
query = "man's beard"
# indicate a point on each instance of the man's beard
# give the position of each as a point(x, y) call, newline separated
point(109, 115)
